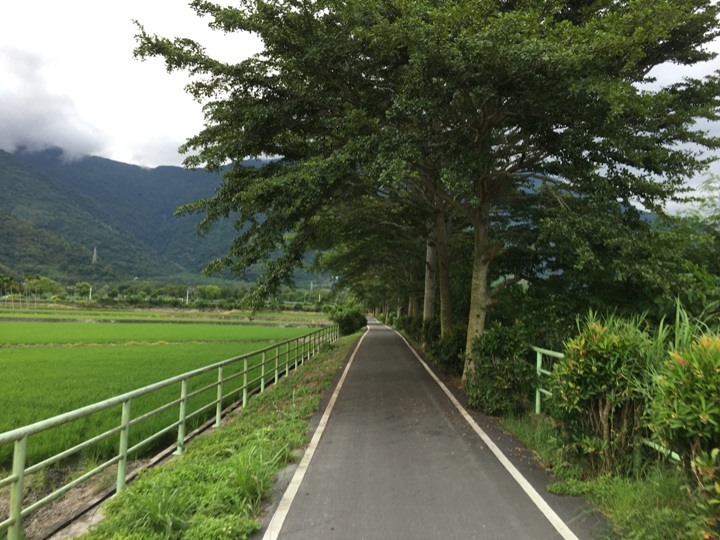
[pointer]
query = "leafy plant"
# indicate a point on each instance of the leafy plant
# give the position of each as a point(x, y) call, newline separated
point(655, 505)
point(685, 413)
point(597, 391)
point(350, 320)
point(412, 326)
point(447, 351)
point(706, 469)
point(503, 377)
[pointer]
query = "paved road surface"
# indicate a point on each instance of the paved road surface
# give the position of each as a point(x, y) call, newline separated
point(398, 460)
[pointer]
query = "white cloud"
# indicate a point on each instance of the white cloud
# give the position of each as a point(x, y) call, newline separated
point(33, 116)
point(68, 78)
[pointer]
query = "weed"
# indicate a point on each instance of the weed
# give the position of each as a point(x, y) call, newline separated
point(656, 505)
point(215, 490)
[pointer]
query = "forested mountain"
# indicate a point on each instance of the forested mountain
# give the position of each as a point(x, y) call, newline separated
point(53, 214)
point(140, 203)
point(48, 227)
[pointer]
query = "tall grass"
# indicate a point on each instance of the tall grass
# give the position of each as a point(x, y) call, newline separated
point(216, 489)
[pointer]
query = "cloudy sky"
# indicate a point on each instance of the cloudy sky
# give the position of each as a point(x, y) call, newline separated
point(68, 78)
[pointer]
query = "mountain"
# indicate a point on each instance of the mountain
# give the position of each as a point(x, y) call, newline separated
point(50, 228)
point(140, 203)
point(54, 213)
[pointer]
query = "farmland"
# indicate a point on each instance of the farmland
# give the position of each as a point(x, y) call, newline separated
point(52, 367)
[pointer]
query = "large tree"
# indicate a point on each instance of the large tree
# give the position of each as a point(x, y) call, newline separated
point(480, 99)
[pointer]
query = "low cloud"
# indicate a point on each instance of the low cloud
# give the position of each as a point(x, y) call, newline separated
point(34, 117)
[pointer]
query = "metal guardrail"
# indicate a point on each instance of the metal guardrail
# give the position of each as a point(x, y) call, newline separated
point(543, 368)
point(273, 361)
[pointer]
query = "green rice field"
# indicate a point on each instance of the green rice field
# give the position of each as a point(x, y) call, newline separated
point(53, 312)
point(47, 368)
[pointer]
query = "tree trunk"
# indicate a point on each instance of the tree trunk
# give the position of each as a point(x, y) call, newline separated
point(443, 263)
point(430, 280)
point(480, 289)
point(413, 308)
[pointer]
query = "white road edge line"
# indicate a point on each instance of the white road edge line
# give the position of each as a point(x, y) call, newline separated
point(531, 492)
point(278, 519)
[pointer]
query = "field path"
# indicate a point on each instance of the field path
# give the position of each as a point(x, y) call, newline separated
point(399, 457)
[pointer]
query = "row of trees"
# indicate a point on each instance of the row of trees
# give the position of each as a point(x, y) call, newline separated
point(473, 144)
point(149, 294)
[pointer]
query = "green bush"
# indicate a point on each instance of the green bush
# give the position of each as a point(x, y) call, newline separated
point(350, 320)
point(447, 351)
point(706, 469)
point(430, 331)
point(412, 326)
point(503, 378)
point(685, 412)
point(598, 395)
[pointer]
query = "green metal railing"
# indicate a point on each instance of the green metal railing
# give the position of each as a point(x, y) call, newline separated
point(274, 361)
point(543, 367)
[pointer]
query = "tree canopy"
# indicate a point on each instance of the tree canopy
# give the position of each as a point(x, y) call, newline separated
point(486, 112)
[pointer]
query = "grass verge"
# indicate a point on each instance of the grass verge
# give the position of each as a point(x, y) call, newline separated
point(215, 490)
point(655, 505)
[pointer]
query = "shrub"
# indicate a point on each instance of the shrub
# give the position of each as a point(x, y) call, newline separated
point(706, 469)
point(503, 378)
point(447, 351)
point(685, 412)
point(431, 331)
point(412, 326)
point(350, 320)
point(597, 391)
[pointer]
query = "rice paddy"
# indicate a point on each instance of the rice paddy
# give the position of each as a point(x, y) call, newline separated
point(47, 368)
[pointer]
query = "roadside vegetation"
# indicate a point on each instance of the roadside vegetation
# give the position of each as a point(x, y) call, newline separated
point(633, 422)
point(216, 490)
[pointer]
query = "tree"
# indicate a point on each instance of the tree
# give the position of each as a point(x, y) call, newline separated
point(541, 91)
point(472, 101)
point(376, 248)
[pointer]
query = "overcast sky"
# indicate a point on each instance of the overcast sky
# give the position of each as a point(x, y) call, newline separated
point(68, 78)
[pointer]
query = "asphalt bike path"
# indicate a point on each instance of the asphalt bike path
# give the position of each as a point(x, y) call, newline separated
point(395, 456)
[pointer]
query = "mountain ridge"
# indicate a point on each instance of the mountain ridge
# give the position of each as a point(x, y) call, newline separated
point(124, 210)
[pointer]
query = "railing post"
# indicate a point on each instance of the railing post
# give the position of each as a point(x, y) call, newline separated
point(218, 407)
point(262, 373)
point(538, 368)
point(277, 363)
point(16, 490)
point(245, 381)
point(287, 357)
point(183, 409)
point(123, 450)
